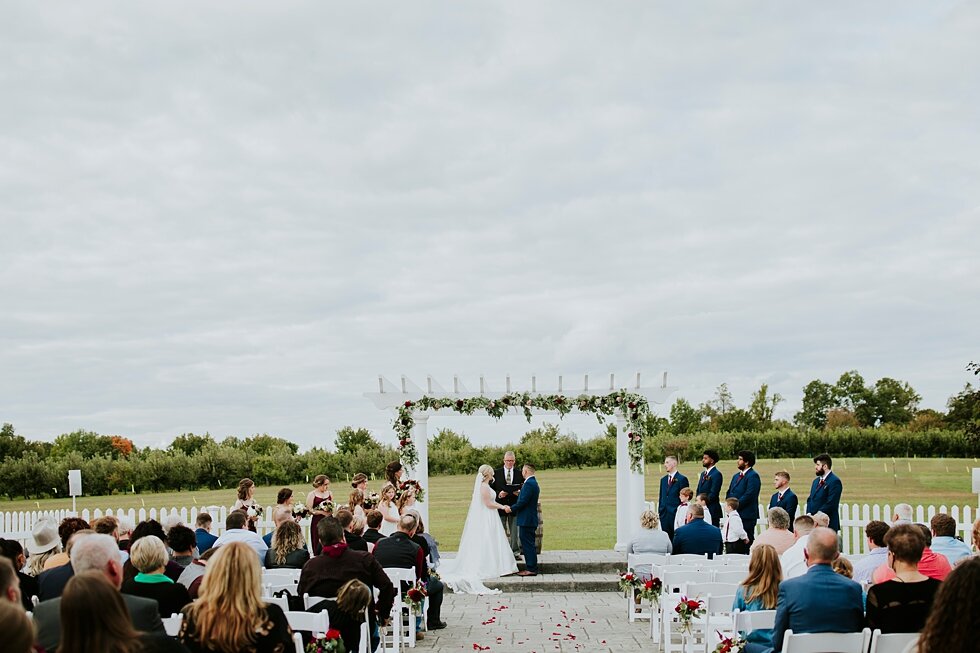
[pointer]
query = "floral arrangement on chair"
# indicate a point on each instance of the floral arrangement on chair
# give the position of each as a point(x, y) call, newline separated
point(628, 580)
point(651, 589)
point(329, 643)
point(735, 644)
point(687, 610)
point(415, 597)
point(413, 484)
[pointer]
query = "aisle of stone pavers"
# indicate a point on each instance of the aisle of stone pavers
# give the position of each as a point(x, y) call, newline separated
point(537, 622)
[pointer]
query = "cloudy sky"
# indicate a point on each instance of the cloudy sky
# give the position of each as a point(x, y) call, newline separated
point(231, 217)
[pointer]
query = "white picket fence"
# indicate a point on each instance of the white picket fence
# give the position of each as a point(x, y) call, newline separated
point(18, 525)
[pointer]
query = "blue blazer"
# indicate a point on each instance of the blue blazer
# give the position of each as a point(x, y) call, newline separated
point(746, 490)
point(789, 503)
point(710, 484)
point(819, 601)
point(826, 499)
point(670, 499)
point(698, 537)
point(205, 540)
point(526, 507)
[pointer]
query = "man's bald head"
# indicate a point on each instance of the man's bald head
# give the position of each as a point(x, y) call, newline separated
point(821, 548)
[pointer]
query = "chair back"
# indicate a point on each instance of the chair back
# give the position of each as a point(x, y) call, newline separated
point(893, 642)
point(281, 601)
point(271, 586)
point(646, 560)
point(298, 642)
point(280, 573)
point(674, 579)
point(693, 589)
point(687, 559)
point(736, 558)
point(754, 620)
point(310, 601)
point(826, 642)
point(172, 624)
point(317, 623)
point(730, 575)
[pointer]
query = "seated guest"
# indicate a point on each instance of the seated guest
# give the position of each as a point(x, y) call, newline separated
point(778, 535)
point(288, 550)
point(149, 556)
point(236, 530)
point(433, 548)
point(205, 540)
point(944, 540)
point(182, 542)
point(230, 614)
point(150, 528)
point(976, 534)
point(18, 632)
point(347, 612)
point(697, 535)
point(9, 583)
point(793, 559)
point(957, 604)
point(932, 564)
point(843, 567)
point(125, 534)
point(354, 541)
point(68, 527)
point(821, 520)
point(109, 525)
point(902, 604)
point(94, 618)
point(14, 552)
point(650, 539)
point(280, 514)
point(51, 583)
point(374, 519)
point(336, 564)
point(398, 550)
point(903, 514)
point(733, 534)
point(95, 553)
point(43, 545)
point(194, 573)
point(874, 531)
point(760, 588)
point(819, 601)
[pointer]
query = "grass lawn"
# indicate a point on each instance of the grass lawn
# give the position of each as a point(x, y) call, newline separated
point(578, 505)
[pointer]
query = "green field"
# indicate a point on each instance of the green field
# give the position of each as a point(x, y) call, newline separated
point(578, 505)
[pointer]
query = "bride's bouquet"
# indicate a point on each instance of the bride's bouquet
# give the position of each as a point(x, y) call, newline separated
point(410, 484)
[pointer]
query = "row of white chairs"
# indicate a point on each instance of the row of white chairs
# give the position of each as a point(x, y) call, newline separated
point(862, 642)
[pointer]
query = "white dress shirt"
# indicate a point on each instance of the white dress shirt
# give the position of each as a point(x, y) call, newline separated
point(793, 561)
point(246, 536)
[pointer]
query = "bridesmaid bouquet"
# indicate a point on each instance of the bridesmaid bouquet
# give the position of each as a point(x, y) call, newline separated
point(372, 500)
point(255, 510)
point(300, 511)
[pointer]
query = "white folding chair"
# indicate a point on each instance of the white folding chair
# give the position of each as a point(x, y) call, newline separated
point(892, 643)
point(672, 639)
point(745, 622)
point(675, 578)
point(317, 623)
point(402, 620)
point(298, 642)
point(687, 559)
point(655, 563)
point(270, 587)
point(281, 601)
point(717, 617)
point(735, 558)
point(826, 642)
point(280, 575)
point(726, 575)
point(310, 601)
point(172, 624)
point(364, 646)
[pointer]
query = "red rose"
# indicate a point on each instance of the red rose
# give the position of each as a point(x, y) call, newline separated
point(632, 405)
point(408, 404)
point(459, 403)
point(693, 605)
point(333, 633)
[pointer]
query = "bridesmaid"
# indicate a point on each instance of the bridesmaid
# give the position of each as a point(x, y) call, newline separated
point(359, 482)
point(393, 473)
point(356, 503)
point(246, 500)
point(320, 493)
point(388, 510)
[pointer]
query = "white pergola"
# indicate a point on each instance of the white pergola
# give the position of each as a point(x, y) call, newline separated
point(629, 483)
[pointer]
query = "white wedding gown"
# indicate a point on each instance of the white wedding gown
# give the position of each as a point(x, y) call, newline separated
point(484, 551)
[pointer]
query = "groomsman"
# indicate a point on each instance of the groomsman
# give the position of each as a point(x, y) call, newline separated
point(670, 495)
point(504, 480)
point(710, 483)
point(745, 487)
point(825, 492)
point(784, 497)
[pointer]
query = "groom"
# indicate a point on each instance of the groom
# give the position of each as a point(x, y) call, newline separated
point(526, 510)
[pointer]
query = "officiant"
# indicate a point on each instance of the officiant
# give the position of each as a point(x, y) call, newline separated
point(507, 481)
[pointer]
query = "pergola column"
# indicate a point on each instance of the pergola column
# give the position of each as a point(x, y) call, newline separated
point(630, 499)
point(421, 472)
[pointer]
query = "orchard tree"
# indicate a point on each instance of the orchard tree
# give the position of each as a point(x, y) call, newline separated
point(684, 418)
point(763, 406)
point(349, 440)
point(818, 398)
point(892, 402)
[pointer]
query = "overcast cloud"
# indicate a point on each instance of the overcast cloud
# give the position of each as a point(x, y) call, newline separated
point(231, 217)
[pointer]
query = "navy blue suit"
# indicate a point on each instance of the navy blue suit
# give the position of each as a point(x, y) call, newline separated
point(825, 498)
point(789, 503)
point(745, 487)
point(710, 484)
point(697, 536)
point(205, 540)
point(819, 601)
point(670, 500)
point(526, 510)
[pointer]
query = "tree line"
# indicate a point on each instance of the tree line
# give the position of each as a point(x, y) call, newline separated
point(848, 418)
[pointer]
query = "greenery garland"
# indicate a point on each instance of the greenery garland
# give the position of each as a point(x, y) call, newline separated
point(633, 406)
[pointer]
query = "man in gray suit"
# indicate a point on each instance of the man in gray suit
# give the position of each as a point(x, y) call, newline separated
point(95, 553)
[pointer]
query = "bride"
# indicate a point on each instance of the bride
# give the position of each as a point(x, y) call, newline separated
point(484, 551)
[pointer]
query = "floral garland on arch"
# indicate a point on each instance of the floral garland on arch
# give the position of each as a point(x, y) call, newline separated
point(634, 407)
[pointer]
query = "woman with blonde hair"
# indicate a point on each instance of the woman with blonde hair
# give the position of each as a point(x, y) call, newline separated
point(230, 615)
point(760, 589)
point(650, 539)
point(484, 550)
point(388, 510)
point(17, 629)
point(287, 550)
point(315, 501)
point(94, 617)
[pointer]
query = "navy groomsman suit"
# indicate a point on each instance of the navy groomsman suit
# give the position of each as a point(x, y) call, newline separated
point(745, 487)
point(825, 497)
point(710, 483)
point(787, 502)
point(670, 500)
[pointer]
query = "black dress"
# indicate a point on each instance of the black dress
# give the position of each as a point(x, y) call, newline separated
point(897, 607)
point(348, 625)
point(273, 636)
point(171, 597)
